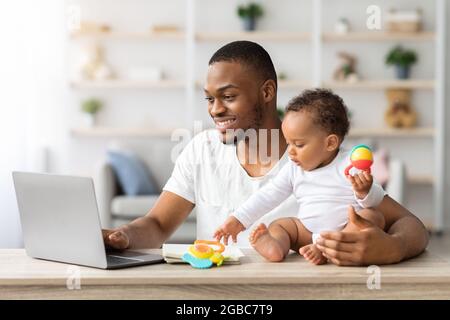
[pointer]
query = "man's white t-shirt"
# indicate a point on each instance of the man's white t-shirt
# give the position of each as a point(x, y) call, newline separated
point(209, 174)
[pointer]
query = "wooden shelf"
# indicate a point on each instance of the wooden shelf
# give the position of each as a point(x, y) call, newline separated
point(108, 132)
point(255, 36)
point(381, 84)
point(294, 84)
point(127, 84)
point(115, 35)
point(355, 133)
point(378, 36)
point(391, 133)
point(284, 84)
point(361, 85)
point(421, 179)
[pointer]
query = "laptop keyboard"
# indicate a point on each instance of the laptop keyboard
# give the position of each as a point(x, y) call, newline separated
point(114, 260)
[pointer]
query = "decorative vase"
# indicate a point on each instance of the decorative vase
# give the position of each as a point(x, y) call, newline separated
point(342, 26)
point(402, 71)
point(249, 23)
point(89, 120)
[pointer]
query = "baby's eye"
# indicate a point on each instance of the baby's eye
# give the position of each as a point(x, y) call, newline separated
point(299, 145)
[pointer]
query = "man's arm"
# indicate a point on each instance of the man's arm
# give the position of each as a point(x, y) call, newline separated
point(404, 237)
point(151, 230)
point(406, 227)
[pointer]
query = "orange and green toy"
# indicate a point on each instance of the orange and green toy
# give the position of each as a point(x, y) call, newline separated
point(361, 158)
point(201, 255)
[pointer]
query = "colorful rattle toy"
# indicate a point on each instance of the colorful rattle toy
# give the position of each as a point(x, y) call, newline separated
point(361, 158)
point(201, 255)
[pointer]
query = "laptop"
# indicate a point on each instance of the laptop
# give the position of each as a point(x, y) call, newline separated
point(60, 222)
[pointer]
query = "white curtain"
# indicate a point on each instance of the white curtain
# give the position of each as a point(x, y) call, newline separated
point(32, 98)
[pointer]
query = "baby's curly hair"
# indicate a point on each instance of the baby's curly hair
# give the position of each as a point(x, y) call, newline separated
point(327, 109)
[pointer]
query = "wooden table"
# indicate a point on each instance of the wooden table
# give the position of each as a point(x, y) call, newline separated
point(21, 277)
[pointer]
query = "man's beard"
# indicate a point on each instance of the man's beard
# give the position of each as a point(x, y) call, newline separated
point(234, 136)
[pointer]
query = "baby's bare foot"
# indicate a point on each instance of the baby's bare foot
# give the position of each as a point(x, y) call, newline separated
point(265, 244)
point(311, 253)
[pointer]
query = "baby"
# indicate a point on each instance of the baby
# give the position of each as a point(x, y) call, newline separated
point(314, 126)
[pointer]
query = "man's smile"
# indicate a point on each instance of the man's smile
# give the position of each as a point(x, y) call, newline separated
point(223, 123)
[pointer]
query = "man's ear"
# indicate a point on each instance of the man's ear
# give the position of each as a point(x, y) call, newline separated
point(269, 90)
point(332, 142)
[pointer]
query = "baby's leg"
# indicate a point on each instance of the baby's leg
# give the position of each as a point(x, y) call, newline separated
point(273, 243)
point(311, 253)
point(372, 215)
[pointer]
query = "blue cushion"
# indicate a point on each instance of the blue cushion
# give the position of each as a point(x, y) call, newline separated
point(132, 173)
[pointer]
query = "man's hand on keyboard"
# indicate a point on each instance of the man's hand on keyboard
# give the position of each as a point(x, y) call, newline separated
point(116, 239)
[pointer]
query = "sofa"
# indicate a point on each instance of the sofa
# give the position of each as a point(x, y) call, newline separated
point(117, 209)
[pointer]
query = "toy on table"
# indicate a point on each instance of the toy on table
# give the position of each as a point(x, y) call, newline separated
point(361, 158)
point(201, 255)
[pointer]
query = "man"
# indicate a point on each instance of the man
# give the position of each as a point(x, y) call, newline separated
point(217, 171)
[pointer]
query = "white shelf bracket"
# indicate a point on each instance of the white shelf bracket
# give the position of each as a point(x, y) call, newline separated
point(317, 43)
point(439, 172)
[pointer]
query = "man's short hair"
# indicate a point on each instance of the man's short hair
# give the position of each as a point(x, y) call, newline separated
point(249, 54)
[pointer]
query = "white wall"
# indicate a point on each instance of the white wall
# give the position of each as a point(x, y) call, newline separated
point(32, 79)
point(447, 121)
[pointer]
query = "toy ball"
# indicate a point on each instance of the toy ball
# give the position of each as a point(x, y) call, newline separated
point(361, 158)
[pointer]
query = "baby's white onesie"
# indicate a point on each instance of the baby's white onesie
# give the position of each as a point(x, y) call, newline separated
point(323, 195)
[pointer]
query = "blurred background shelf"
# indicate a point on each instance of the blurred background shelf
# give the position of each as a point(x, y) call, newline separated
point(421, 179)
point(116, 35)
point(130, 132)
point(283, 84)
point(354, 133)
point(381, 84)
point(372, 36)
point(391, 133)
point(294, 84)
point(253, 36)
point(127, 84)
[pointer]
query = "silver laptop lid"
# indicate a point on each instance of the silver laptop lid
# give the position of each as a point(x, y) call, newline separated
point(59, 218)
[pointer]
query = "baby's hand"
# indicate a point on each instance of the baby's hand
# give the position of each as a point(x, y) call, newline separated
point(361, 182)
point(231, 227)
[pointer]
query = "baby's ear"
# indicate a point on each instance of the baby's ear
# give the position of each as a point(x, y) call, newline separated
point(332, 142)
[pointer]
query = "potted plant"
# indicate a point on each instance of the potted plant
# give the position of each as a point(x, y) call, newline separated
point(280, 112)
point(342, 26)
point(90, 107)
point(282, 76)
point(249, 13)
point(402, 59)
